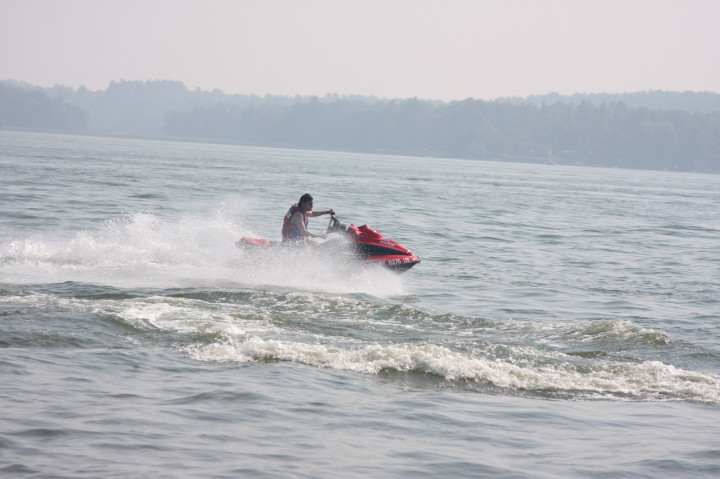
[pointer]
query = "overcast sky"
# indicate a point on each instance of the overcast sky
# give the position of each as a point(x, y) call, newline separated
point(444, 49)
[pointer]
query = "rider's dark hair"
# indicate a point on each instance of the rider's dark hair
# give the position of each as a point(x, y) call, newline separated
point(304, 199)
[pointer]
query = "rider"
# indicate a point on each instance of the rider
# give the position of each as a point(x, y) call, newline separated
point(296, 221)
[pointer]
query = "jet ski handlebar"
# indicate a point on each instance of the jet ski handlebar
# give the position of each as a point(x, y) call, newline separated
point(335, 225)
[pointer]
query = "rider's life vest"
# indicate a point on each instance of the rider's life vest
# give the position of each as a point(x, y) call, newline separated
point(290, 231)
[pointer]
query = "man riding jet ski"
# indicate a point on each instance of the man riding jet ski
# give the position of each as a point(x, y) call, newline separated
point(366, 244)
point(296, 221)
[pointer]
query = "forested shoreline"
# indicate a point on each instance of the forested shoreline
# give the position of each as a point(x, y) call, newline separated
point(650, 130)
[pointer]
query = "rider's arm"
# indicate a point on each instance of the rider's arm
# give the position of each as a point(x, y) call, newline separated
point(320, 213)
point(297, 220)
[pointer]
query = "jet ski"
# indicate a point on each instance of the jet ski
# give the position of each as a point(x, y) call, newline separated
point(366, 245)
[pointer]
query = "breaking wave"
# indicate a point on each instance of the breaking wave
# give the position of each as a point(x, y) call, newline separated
point(380, 337)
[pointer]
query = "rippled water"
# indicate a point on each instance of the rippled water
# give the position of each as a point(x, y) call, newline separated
point(563, 321)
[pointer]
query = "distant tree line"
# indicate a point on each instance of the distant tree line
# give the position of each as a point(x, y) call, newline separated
point(605, 135)
point(701, 102)
point(33, 109)
point(662, 130)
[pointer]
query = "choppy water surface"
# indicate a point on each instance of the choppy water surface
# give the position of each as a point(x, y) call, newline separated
point(563, 321)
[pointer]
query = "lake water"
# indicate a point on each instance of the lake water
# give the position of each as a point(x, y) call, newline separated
point(563, 322)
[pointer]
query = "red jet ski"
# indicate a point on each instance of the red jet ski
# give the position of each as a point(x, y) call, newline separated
point(367, 245)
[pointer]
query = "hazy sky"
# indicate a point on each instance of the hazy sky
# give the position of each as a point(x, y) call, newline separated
point(444, 49)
